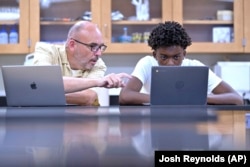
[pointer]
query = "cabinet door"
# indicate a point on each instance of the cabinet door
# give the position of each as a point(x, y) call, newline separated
point(14, 26)
point(215, 26)
point(52, 19)
point(246, 25)
point(126, 26)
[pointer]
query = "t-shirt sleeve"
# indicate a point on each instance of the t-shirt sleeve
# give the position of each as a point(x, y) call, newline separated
point(142, 69)
point(213, 79)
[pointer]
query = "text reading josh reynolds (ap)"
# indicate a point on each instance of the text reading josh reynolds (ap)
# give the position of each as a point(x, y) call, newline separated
point(236, 158)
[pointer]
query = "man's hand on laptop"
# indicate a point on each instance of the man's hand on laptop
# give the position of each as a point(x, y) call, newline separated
point(114, 80)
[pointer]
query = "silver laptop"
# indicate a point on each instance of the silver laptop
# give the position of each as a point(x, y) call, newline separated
point(179, 85)
point(33, 85)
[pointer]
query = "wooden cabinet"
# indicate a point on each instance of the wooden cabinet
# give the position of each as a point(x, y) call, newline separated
point(51, 22)
point(118, 18)
point(15, 14)
point(246, 40)
point(199, 17)
point(210, 25)
point(112, 16)
point(133, 25)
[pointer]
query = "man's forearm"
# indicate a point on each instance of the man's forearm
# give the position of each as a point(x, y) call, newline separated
point(78, 84)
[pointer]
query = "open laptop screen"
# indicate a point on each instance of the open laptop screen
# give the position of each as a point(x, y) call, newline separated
point(33, 85)
point(179, 85)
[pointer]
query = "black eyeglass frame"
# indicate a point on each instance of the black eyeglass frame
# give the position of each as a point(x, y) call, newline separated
point(93, 47)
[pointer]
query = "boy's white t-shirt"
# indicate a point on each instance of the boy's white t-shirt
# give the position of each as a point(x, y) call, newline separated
point(143, 67)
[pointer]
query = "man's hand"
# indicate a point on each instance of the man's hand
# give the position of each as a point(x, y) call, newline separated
point(114, 80)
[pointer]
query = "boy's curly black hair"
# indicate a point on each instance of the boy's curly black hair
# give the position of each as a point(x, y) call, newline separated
point(167, 34)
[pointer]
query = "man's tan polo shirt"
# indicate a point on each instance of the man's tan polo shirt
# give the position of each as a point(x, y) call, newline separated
point(50, 54)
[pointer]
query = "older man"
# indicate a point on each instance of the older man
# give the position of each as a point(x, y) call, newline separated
point(80, 61)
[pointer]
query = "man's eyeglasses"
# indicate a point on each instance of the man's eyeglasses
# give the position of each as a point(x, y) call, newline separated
point(93, 47)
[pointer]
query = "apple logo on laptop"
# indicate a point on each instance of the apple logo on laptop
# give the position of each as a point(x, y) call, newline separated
point(179, 84)
point(33, 85)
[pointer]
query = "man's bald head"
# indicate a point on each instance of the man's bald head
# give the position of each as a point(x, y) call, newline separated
point(81, 28)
